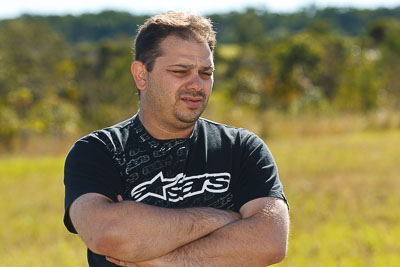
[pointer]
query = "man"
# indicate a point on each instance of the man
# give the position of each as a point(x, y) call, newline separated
point(167, 188)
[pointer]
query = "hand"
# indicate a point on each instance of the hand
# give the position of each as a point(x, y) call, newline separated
point(234, 215)
point(150, 263)
point(121, 263)
point(227, 216)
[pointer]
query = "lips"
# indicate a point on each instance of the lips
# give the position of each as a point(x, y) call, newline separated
point(192, 101)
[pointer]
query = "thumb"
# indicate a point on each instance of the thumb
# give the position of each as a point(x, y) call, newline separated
point(119, 197)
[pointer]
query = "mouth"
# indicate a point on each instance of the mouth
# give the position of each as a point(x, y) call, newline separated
point(192, 101)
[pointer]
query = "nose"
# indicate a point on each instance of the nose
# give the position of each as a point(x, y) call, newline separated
point(196, 82)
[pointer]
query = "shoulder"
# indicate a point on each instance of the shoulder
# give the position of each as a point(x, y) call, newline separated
point(111, 139)
point(234, 134)
point(113, 136)
point(117, 131)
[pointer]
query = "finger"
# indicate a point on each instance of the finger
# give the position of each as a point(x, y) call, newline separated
point(110, 259)
point(115, 261)
point(119, 197)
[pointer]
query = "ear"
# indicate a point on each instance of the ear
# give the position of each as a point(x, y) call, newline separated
point(139, 73)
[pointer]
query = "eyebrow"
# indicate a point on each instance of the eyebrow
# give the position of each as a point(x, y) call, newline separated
point(192, 66)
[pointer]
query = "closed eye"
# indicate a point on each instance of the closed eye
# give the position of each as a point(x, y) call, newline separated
point(207, 73)
point(178, 71)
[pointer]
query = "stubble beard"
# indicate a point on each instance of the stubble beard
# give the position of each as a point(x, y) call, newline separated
point(191, 116)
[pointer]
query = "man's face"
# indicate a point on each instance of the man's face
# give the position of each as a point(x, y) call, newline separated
point(179, 86)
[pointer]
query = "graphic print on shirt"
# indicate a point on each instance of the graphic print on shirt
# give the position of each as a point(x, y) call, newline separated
point(180, 187)
point(154, 171)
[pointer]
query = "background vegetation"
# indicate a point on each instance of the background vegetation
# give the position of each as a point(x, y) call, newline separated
point(321, 86)
point(63, 75)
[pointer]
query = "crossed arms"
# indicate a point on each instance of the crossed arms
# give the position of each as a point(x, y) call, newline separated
point(136, 234)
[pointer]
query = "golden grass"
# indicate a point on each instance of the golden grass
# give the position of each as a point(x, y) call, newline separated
point(344, 192)
point(32, 233)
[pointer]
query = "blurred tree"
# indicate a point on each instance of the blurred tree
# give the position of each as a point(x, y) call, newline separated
point(103, 69)
point(248, 26)
point(10, 125)
point(30, 54)
point(296, 61)
point(384, 49)
point(310, 60)
point(107, 24)
point(35, 64)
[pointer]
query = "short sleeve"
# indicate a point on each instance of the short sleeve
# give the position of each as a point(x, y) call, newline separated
point(89, 168)
point(258, 173)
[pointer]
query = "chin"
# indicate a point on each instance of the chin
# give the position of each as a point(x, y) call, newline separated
point(188, 118)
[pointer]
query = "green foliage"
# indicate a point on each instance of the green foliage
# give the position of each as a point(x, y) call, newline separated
point(107, 24)
point(248, 27)
point(50, 87)
point(10, 126)
point(62, 75)
point(32, 59)
point(53, 116)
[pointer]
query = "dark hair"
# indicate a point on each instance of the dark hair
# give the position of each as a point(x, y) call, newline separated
point(157, 28)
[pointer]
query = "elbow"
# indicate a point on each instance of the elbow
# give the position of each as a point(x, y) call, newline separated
point(104, 241)
point(99, 242)
point(278, 255)
point(274, 253)
point(112, 242)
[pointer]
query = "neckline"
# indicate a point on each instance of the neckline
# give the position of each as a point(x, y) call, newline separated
point(136, 121)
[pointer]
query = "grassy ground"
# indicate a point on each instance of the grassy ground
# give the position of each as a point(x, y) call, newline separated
point(344, 192)
point(345, 199)
point(31, 228)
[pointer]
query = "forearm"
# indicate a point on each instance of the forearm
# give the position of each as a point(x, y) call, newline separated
point(154, 231)
point(258, 240)
point(237, 244)
point(134, 231)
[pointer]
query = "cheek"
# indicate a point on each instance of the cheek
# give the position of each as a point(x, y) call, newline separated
point(209, 86)
point(165, 87)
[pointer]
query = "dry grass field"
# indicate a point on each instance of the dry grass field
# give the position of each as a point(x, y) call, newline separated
point(344, 192)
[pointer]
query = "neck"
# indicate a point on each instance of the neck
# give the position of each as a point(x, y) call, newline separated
point(162, 131)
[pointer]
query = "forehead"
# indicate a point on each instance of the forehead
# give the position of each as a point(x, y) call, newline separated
point(178, 50)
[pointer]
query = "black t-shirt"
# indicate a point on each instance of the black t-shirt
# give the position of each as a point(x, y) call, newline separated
point(217, 166)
